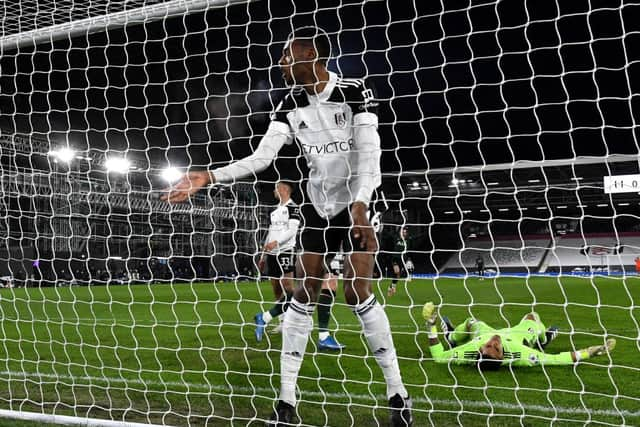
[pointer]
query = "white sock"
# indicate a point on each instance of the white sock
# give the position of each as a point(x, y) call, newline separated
point(296, 328)
point(323, 335)
point(375, 325)
point(266, 316)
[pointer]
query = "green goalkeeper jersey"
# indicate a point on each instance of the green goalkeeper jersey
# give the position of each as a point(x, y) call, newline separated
point(516, 343)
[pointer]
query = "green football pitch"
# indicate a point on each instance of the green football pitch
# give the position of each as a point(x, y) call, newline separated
point(185, 354)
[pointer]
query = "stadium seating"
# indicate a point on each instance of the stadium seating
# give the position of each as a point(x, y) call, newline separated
point(572, 253)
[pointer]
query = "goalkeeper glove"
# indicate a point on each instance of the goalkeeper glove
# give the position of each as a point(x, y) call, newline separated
point(430, 316)
point(429, 313)
point(598, 350)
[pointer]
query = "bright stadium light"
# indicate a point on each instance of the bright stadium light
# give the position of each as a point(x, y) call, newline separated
point(171, 174)
point(64, 154)
point(117, 164)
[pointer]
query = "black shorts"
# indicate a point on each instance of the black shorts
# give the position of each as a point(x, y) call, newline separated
point(326, 236)
point(281, 264)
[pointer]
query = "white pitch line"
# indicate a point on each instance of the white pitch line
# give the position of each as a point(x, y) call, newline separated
point(110, 321)
point(69, 420)
point(241, 390)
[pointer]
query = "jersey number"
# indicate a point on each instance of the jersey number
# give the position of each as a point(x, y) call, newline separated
point(285, 262)
point(367, 94)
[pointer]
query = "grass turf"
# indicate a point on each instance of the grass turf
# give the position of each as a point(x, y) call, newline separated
point(185, 354)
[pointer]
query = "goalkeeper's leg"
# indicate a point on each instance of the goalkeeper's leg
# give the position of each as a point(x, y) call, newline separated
point(376, 328)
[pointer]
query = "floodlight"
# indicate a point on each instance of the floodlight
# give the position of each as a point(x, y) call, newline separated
point(64, 154)
point(117, 164)
point(171, 174)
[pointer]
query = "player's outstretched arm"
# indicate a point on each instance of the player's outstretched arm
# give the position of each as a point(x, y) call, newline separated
point(278, 134)
point(190, 183)
point(531, 357)
point(431, 317)
point(597, 350)
point(276, 137)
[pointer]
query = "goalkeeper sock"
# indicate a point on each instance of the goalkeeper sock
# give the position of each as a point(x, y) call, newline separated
point(296, 327)
point(375, 325)
point(324, 310)
point(281, 305)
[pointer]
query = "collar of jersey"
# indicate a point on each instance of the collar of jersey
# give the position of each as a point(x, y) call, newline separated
point(327, 91)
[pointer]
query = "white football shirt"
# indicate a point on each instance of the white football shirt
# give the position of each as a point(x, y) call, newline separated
point(283, 227)
point(337, 134)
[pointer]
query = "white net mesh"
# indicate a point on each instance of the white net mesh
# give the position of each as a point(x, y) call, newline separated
point(498, 122)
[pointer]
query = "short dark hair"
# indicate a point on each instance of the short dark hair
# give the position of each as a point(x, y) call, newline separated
point(488, 363)
point(288, 183)
point(315, 37)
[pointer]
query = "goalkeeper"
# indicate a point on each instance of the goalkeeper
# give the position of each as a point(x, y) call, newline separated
point(475, 342)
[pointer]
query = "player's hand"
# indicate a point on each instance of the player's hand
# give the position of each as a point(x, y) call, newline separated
point(598, 350)
point(190, 183)
point(429, 313)
point(261, 264)
point(271, 245)
point(362, 229)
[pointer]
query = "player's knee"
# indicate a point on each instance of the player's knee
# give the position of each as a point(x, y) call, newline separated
point(350, 297)
point(354, 297)
point(311, 289)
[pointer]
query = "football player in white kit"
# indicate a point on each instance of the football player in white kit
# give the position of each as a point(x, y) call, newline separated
point(279, 257)
point(334, 122)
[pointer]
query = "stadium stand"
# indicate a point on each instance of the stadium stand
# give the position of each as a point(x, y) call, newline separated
point(571, 253)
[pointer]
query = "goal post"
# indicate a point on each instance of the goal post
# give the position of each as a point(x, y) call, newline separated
point(509, 159)
point(95, 21)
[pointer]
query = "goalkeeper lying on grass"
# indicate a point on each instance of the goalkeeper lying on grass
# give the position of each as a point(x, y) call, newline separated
point(475, 342)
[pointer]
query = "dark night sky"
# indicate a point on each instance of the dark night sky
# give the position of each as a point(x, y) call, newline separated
point(485, 82)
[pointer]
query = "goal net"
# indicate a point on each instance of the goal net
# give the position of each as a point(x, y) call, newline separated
point(509, 158)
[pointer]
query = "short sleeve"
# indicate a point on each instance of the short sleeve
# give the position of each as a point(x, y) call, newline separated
point(294, 212)
point(361, 97)
point(282, 109)
point(279, 115)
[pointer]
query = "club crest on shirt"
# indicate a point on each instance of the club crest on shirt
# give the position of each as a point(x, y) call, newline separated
point(341, 120)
